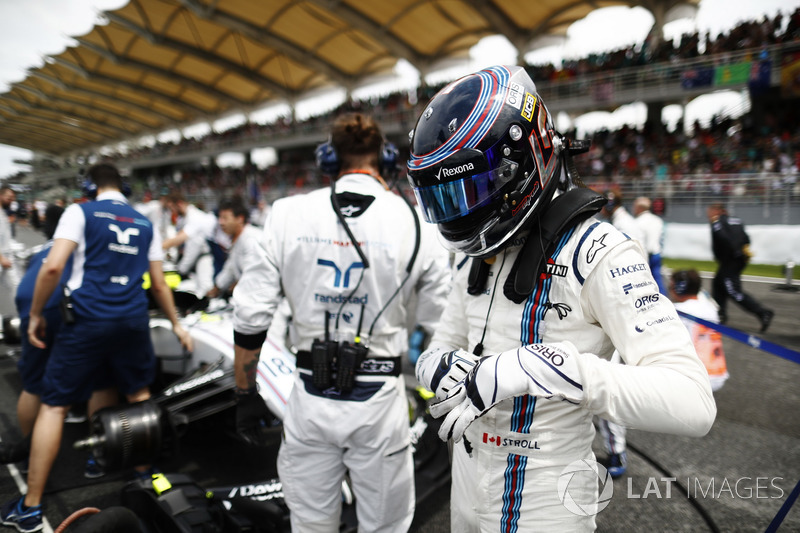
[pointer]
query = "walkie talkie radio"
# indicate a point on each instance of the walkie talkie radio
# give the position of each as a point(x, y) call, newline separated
point(323, 357)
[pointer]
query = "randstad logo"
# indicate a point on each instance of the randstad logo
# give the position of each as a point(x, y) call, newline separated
point(448, 172)
point(572, 483)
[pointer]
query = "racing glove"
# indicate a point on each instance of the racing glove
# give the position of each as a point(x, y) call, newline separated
point(252, 416)
point(440, 370)
point(541, 370)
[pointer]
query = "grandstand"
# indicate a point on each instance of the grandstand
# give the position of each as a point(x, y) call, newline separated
point(751, 160)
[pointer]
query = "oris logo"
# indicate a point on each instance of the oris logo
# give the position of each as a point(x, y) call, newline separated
point(644, 300)
point(547, 352)
point(448, 172)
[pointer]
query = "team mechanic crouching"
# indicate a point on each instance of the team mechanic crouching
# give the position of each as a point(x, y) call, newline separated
point(544, 292)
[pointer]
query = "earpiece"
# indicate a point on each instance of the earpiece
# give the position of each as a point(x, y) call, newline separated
point(90, 189)
point(328, 162)
point(390, 156)
point(327, 159)
point(685, 283)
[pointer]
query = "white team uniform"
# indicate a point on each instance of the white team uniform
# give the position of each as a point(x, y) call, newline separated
point(598, 294)
point(242, 252)
point(9, 277)
point(307, 256)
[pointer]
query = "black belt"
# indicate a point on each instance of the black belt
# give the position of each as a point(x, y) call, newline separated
point(371, 366)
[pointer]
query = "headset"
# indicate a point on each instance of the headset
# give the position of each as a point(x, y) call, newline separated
point(89, 188)
point(684, 283)
point(329, 163)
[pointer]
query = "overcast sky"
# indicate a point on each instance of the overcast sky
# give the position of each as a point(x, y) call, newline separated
point(31, 29)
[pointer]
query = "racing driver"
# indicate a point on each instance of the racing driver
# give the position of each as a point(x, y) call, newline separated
point(542, 294)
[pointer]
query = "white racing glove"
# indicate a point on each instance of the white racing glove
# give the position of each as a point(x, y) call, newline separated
point(441, 370)
point(542, 370)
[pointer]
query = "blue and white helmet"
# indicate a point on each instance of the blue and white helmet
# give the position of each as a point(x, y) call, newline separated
point(484, 158)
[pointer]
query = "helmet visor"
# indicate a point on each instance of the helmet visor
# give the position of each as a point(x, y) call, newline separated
point(453, 199)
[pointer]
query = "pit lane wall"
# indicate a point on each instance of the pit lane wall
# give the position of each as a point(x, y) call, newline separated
point(770, 244)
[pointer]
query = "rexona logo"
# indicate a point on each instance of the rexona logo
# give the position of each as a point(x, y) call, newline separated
point(445, 172)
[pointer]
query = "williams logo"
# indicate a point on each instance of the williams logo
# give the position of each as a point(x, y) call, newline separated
point(340, 279)
point(123, 244)
point(455, 171)
point(123, 235)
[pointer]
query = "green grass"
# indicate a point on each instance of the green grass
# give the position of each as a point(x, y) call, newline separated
point(770, 271)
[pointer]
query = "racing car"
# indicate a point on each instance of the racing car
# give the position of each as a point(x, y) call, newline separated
point(200, 385)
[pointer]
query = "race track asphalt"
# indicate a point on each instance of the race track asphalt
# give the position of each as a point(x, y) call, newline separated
point(736, 478)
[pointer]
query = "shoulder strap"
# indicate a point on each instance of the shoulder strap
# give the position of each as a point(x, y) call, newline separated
point(564, 212)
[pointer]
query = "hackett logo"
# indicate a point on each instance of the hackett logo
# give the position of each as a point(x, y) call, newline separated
point(624, 271)
point(448, 172)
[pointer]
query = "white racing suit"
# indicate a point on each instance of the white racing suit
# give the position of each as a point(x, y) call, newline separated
point(597, 293)
point(308, 257)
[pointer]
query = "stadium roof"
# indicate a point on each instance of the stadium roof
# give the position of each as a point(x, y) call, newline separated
point(159, 64)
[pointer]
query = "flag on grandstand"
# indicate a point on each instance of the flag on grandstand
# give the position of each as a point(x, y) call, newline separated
point(790, 76)
point(760, 76)
point(697, 77)
point(733, 74)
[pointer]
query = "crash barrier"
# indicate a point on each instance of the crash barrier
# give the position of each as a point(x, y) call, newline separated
point(774, 349)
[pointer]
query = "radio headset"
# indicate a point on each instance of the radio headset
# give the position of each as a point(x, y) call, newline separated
point(335, 363)
point(89, 188)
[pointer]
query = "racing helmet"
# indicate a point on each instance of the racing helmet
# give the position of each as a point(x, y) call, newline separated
point(484, 158)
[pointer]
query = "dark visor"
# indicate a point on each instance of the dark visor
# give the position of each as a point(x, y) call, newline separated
point(454, 199)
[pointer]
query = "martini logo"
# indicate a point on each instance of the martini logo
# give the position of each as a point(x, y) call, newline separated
point(552, 269)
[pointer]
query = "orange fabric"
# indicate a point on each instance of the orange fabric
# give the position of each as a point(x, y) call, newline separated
point(708, 344)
